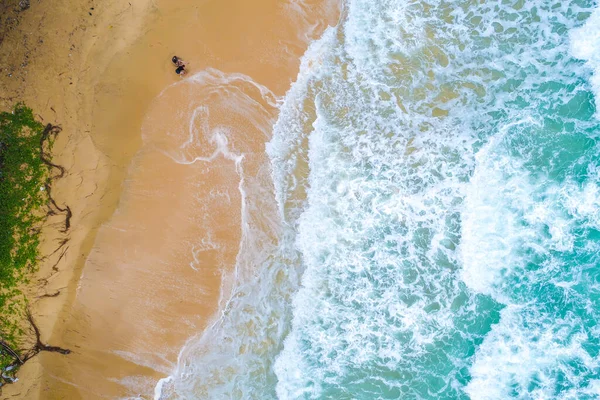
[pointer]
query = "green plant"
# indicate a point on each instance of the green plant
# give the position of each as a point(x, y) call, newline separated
point(23, 179)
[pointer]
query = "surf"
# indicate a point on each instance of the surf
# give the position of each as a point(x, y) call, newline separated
point(433, 179)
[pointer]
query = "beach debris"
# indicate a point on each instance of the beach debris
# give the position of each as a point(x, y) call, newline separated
point(7, 373)
point(39, 346)
point(24, 5)
point(49, 132)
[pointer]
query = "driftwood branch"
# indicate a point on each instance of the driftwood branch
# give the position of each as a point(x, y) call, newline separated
point(49, 132)
point(10, 351)
point(55, 266)
point(63, 242)
point(66, 210)
point(39, 345)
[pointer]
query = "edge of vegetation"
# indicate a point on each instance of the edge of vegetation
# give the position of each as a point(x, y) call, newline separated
point(25, 175)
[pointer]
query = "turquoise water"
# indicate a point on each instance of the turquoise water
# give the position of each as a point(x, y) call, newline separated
point(436, 171)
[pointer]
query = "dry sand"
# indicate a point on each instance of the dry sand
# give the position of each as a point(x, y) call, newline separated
point(150, 238)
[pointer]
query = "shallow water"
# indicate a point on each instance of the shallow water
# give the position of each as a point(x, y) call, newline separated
point(430, 225)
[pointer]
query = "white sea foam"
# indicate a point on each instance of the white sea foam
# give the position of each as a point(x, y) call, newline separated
point(532, 353)
point(355, 308)
point(150, 360)
point(514, 218)
point(585, 44)
point(374, 169)
point(287, 149)
point(492, 236)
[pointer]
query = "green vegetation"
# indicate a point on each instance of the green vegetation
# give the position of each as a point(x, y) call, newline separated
point(23, 179)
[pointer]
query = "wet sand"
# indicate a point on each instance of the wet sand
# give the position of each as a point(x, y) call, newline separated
point(153, 275)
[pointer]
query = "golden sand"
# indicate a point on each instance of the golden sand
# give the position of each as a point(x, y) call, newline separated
point(151, 238)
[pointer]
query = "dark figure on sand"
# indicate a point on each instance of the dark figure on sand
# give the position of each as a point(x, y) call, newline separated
point(180, 64)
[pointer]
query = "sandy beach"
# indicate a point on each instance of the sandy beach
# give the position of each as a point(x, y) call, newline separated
point(152, 235)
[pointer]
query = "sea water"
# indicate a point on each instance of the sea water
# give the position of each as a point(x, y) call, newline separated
point(435, 192)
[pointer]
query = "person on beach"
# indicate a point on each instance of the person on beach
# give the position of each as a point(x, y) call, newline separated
point(180, 64)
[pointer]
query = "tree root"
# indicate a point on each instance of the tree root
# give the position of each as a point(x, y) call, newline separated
point(39, 346)
point(55, 266)
point(54, 206)
point(10, 351)
point(63, 242)
point(50, 132)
